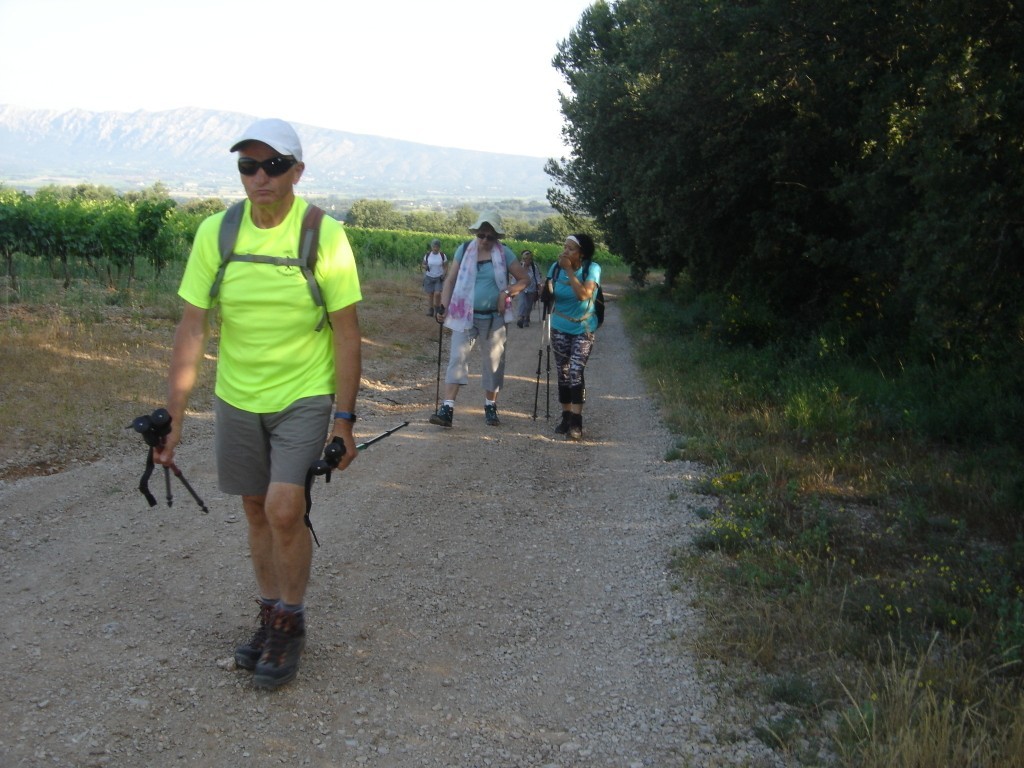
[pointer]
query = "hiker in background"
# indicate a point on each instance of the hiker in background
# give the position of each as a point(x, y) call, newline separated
point(283, 382)
point(529, 296)
point(476, 304)
point(435, 268)
point(572, 282)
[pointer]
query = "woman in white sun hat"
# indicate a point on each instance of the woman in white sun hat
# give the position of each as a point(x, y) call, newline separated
point(476, 304)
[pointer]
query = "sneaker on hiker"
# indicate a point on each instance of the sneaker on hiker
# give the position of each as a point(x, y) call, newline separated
point(248, 654)
point(563, 426)
point(575, 427)
point(443, 417)
point(286, 637)
point(491, 415)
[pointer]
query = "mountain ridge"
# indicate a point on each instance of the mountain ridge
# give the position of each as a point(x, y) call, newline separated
point(186, 149)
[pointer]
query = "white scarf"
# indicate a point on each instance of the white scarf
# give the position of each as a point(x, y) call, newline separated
point(460, 306)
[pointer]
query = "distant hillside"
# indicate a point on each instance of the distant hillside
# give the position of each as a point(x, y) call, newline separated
point(187, 150)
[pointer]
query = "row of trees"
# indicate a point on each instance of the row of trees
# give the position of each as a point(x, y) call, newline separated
point(96, 226)
point(66, 226)
point(110, 232)
point(382, 214)
point(853, 169)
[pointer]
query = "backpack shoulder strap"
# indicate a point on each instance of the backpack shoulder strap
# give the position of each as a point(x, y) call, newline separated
point(226, 237)
point(309, 243)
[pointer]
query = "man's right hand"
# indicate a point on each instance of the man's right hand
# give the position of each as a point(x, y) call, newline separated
point(164, 453)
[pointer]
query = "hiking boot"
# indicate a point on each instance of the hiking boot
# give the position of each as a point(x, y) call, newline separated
point(575, 427)
point(286, 637)
point(519, 323)
point(443, 417)
point(491, 415)
point(431, 311)
point(563, 426)
point(248, 654)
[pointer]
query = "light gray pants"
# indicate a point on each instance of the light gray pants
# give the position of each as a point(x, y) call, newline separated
point(489, 331)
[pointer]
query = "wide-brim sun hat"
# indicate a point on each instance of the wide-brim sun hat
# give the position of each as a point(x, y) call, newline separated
point(276, 134)
point(489, 217)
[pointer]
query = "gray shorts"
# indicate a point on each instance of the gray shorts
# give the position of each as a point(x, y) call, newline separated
point(432, 284)
point(257, 449)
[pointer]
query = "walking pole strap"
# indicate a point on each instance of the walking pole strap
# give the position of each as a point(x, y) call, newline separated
point(309, 502)
point(325, 468)
point(144, 482)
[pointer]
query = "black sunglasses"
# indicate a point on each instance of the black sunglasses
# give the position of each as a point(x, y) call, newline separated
point(485, 236)
point(275, 166)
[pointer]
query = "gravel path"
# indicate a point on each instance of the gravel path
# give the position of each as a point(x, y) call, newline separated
point(482, 597)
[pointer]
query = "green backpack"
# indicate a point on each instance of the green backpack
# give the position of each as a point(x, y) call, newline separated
point(309, 241)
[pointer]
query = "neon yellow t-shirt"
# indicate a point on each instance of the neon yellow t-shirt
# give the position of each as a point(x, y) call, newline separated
point(270, 352)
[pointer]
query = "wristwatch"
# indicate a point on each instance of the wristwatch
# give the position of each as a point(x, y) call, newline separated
point(346, 415)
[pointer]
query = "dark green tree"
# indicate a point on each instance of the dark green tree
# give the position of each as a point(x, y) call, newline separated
point(374, 214)
point(850, 167)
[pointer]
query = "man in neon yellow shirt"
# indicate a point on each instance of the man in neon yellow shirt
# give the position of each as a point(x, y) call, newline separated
point(279, 379)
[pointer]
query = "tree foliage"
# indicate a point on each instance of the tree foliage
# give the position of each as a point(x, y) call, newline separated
point(373, 214)
point(82, 229)
point(852, 168)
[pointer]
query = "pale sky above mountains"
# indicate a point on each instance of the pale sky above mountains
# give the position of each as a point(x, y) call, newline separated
point(452, 73)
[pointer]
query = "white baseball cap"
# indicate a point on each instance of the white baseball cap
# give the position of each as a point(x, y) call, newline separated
point(276, 134)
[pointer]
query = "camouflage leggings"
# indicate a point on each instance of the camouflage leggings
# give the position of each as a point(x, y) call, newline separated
point(572, 350)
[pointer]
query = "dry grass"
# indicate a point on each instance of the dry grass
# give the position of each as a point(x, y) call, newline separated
point(78, 368)
point(933, 709)
point(73, 380)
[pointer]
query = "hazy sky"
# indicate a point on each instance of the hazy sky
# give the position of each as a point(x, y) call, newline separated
point(452, 73)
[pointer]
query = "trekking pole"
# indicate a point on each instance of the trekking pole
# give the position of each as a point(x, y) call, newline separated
point(381, 436)
point(547, 405)
point(540, 359)
point(333, 452)
point(154, 429)
point(437, 392)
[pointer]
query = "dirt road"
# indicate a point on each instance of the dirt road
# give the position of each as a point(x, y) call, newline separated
point(482, 597)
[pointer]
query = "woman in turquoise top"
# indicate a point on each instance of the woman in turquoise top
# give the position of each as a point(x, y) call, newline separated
point(572, 282)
